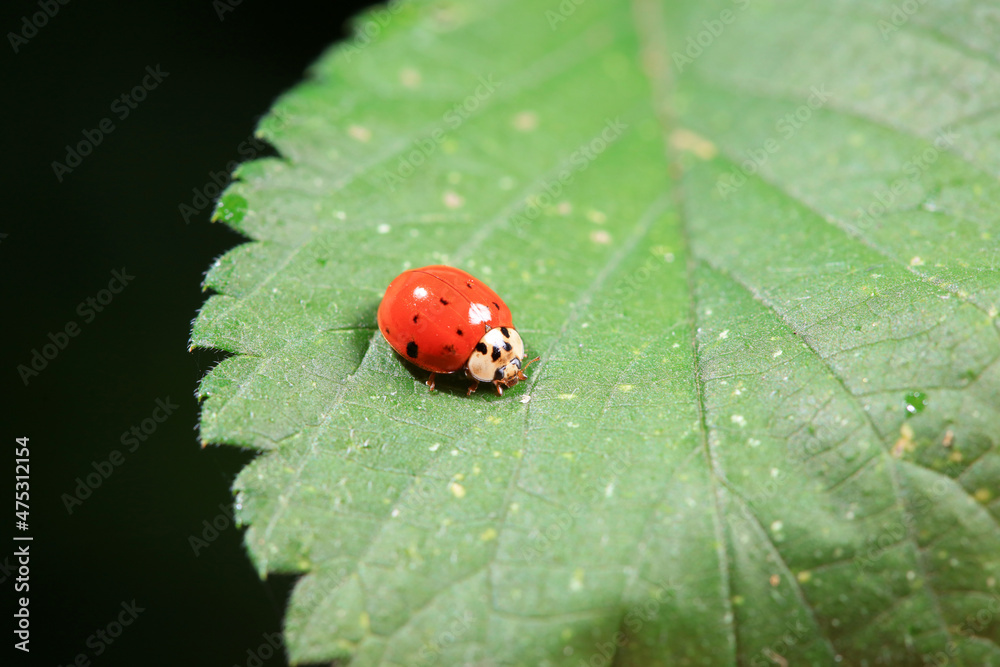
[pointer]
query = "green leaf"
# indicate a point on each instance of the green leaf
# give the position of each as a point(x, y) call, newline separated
point(755, 245)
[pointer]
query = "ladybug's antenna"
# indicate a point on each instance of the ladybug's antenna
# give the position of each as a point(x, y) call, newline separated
point(520, 371)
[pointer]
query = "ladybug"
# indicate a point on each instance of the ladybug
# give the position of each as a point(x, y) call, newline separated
point(444, 320)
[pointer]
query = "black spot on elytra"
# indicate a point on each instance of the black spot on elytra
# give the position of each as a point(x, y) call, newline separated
point(503, 330)
point(444, 302)
point(506, 346)
point(450, 349)
point(469, 284)
point(496, 305)
point(411, 349)
point(416, 317)
point(496, 353)
point(459, 332)
point(481, 347)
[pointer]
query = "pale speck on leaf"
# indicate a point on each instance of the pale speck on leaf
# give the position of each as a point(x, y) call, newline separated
point(410, 77)
point(600, 236)
point(688, 140)
point(359, 132)
point(452, 199)
point(526, 121)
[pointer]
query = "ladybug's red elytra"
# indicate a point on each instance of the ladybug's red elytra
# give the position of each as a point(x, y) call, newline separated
point(444, 320)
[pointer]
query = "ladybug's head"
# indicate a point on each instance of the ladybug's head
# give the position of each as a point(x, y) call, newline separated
point(498, 358)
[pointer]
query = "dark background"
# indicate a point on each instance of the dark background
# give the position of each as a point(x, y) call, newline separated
point(130, 539)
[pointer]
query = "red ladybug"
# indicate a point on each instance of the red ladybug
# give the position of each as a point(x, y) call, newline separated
point(444, 320)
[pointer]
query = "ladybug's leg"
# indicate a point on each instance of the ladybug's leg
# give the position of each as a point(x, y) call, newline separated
point(473, 382)
point(496, 383)
point(430, 382)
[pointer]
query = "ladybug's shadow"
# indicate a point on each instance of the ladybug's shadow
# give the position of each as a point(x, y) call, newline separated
point(455, 384)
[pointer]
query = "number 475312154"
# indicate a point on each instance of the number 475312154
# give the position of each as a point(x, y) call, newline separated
point(21, 474)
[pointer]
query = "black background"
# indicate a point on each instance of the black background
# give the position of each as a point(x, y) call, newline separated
point(130, 539)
